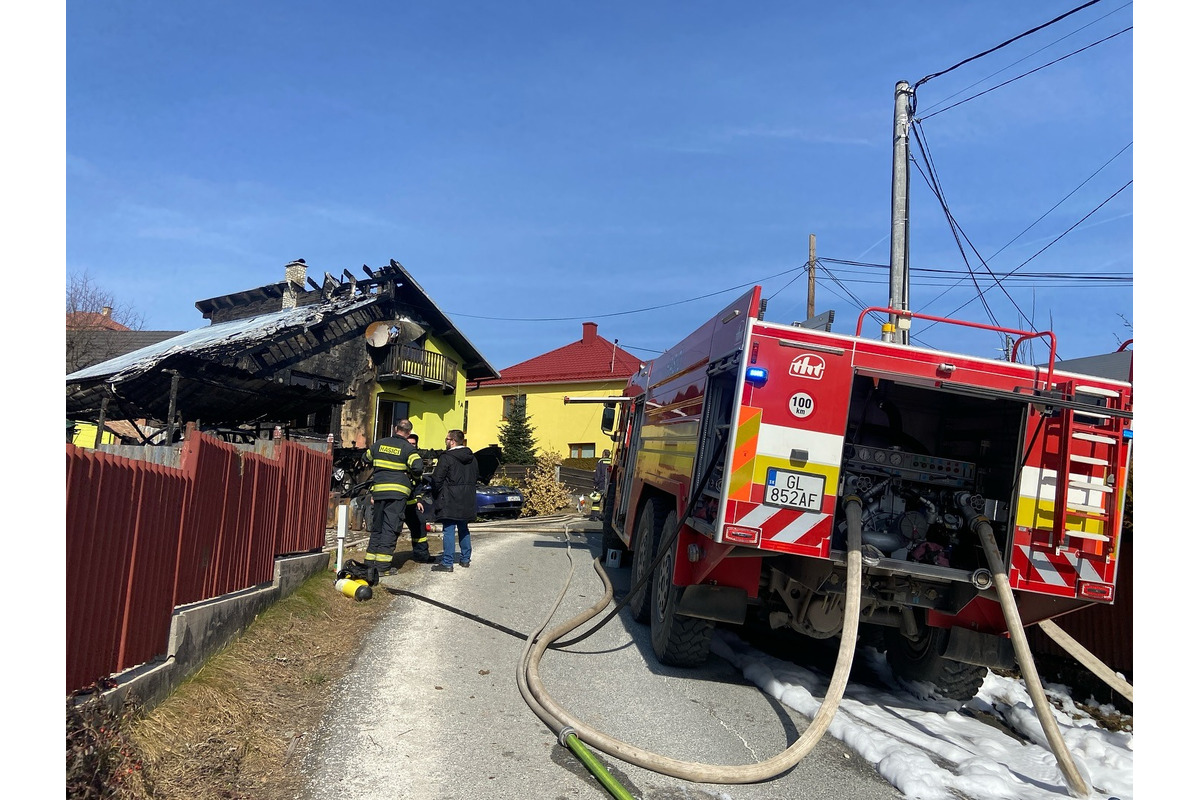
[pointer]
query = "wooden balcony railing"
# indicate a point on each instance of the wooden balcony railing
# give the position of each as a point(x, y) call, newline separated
point(406, 363)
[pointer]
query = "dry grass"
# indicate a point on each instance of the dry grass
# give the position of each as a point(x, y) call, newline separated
point(240, 726)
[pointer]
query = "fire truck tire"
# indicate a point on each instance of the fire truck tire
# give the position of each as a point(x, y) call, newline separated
point(645, 544)
point(678, 641)
point(919, 661)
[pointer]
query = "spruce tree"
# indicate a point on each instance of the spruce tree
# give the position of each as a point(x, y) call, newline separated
point(516, 436)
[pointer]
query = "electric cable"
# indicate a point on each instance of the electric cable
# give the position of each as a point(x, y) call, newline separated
point(635, 310)
point(1023, 75)
point(1054, 240)
point(1004, 44)
point(947, 99)
point(955, 228)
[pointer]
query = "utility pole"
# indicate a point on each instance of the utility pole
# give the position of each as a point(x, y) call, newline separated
point(812, 275)
point(898, 283)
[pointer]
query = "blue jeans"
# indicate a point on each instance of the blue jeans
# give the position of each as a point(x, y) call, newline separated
point(449, 528)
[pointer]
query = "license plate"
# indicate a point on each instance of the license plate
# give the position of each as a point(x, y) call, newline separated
point(514, 498)
point(788, 489)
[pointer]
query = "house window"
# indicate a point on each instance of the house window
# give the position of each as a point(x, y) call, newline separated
point(387, 414)
point(510, 400)
point(583, 450)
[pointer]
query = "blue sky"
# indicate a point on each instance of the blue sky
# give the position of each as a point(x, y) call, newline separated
point(538, 164)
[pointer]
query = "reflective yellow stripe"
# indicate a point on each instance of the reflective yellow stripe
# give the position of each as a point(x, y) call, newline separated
point(745, 447)
point(396, 465)
point(392, 487)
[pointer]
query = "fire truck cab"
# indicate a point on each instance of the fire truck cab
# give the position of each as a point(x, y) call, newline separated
point(735, 449)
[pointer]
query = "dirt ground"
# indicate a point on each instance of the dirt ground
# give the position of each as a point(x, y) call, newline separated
point(239, 728)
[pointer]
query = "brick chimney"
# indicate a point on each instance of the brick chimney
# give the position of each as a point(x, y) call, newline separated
point(295, 273)
point(589, 332)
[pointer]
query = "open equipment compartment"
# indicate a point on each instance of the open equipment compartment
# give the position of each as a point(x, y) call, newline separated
point(910, 451)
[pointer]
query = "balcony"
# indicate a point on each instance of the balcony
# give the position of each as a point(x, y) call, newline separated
point(410, 365)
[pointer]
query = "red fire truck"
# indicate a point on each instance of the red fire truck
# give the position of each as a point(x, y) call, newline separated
point(734, 449)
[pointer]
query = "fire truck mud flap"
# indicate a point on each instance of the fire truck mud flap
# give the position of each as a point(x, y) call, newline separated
point(716, 603)
point(980, 649)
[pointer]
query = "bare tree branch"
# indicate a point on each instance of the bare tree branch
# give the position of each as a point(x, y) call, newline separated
point(91, 313)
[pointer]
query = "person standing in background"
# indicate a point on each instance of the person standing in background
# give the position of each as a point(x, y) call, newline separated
point(454, 504)
point(412, 517)
point(600, 480)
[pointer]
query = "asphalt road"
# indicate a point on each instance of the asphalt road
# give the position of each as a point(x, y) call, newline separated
point(431, 707)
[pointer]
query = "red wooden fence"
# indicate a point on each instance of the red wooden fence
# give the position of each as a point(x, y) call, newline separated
point(143, 538)
point(1105, 630)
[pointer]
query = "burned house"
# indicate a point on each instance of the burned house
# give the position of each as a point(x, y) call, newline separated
point(341, 358)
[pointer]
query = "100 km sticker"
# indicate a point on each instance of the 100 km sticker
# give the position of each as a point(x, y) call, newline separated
point(801, 405)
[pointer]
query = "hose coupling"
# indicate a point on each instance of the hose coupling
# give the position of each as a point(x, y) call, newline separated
point(565, 734)
point(982, 578)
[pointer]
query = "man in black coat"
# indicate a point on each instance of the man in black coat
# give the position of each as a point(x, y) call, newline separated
point(454, 504)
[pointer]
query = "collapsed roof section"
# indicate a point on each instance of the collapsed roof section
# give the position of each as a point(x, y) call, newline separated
point(239, 370)
point(226, 373)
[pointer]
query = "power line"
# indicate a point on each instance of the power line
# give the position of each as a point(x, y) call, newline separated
point(631, 311)
point(956, 229)
point(1055, 240)
point(950, 272)
point(1027, 57)
point(1066, 197)
point(1041, 279)
point(1004, 44)
point(1023, 75)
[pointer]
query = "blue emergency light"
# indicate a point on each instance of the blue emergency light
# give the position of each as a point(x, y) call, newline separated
point(756, 376)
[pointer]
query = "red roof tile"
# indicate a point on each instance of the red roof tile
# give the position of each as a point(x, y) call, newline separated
point(592, 358)
point(90, 320)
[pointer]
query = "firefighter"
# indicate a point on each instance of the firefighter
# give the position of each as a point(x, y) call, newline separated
point(396, 467)
point(412, 517)
point(600, 483)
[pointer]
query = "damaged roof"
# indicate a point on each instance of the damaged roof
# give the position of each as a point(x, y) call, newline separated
point(233, 372)
point(221, 368)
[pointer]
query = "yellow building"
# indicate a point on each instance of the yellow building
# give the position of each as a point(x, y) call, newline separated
point(425, 381)
point(83, 434)
point(590, 367)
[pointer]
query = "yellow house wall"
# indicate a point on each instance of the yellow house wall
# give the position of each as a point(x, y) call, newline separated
point(85, 436)
point(432, 412)
point(556, 425)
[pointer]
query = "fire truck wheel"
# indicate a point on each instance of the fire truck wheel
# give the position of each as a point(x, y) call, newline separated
point(678, 641)
point(645, 544)
point(919, 661)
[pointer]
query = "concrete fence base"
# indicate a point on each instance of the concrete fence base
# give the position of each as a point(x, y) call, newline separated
point(200, 630)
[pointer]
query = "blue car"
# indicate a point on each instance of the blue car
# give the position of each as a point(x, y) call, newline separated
point(492, 502)
point(495, 501)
